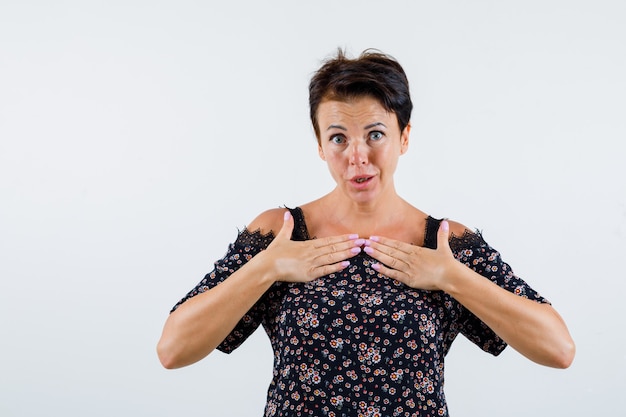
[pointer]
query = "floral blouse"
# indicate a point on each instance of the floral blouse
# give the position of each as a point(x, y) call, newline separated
point(357, 343)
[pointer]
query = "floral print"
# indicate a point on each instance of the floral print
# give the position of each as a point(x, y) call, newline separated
point(357, 343)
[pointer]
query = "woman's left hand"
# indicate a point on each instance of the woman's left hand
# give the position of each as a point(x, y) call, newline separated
point(534, 329)
point(414, 266)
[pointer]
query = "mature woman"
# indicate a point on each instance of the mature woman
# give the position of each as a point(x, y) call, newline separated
point(361, 293)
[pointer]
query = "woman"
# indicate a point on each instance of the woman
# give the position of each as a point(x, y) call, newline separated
point(361, 293)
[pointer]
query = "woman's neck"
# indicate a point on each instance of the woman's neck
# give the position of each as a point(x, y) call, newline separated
point(333, 214)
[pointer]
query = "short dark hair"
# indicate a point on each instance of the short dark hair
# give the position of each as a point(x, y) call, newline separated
point(373, 74)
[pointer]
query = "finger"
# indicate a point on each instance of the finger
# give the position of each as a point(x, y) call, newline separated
point(333, 240)
point(381, 243)
point(388, 272)
point(339, 253)
point(324, 270)
point(337, 256)
point(392, 258)
point(287, 227)
point(392, 250)
point(443, 236)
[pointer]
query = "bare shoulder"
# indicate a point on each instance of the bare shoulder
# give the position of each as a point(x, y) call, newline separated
point(458, 229)
point(269, 221)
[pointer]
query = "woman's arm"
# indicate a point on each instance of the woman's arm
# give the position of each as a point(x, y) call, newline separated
point(534, 329)
point(201, 323)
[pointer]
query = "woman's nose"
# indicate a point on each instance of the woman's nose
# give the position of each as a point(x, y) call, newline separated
point(358, 153)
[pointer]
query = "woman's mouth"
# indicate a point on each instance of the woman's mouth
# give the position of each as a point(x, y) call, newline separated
point(361, 180)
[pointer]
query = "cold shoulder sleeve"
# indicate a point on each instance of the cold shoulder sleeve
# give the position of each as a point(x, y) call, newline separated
point(472, 250)
point(245, 247)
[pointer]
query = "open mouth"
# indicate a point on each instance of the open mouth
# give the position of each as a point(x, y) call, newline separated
point(361, 180)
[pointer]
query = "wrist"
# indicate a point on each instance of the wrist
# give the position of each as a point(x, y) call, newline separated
point(452, 277)
point(263, 270)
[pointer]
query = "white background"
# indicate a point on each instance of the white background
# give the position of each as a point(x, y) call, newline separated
point(136, 137)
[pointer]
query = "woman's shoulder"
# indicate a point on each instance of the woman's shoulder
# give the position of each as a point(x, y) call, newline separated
point(269, 221)
point(458, 229)
point(462, 237)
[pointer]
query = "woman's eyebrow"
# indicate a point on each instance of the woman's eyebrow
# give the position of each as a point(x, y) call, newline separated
point(336, 127)
point(369, 126)
point(374, 124)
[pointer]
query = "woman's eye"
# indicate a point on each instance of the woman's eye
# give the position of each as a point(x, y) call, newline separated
point(376, 135)
point(338, 139)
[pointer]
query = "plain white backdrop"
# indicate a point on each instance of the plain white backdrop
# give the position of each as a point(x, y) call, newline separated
point(137, 137)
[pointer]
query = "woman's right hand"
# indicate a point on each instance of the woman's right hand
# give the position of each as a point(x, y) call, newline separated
point(303, 261)
point(201, 323)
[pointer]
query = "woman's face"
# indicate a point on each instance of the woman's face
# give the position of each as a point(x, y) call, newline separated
point(361, 142)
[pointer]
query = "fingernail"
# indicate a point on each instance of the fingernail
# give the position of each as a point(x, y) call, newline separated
point(376, 266)
point(355, 250)
point(345, 263)
point(374, 238)
point(444, 225)
point(368, 250)
point(354, 236)
point(286, 215)
point(359, 242)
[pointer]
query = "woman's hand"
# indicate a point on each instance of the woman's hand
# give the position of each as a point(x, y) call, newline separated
point(414, 266)
point(202, 322)
point(303, 261)
point(536, 330)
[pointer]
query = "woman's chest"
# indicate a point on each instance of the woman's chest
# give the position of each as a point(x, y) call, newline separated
point(361, 304)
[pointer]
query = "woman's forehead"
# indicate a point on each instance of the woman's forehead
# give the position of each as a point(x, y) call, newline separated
point(363, 109)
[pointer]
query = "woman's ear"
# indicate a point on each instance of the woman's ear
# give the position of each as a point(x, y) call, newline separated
point(404, 139)
point(321, 152)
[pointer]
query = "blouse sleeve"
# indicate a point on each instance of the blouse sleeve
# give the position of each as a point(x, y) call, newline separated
point(245, 247)
point(472, 250)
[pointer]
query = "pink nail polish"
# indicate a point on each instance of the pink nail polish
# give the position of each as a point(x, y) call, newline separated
point(368, 250)
point(355, 250)
point(359, 242)
point(374, 238)
point(345, 263)
point(353, 236)
point(376, 266)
